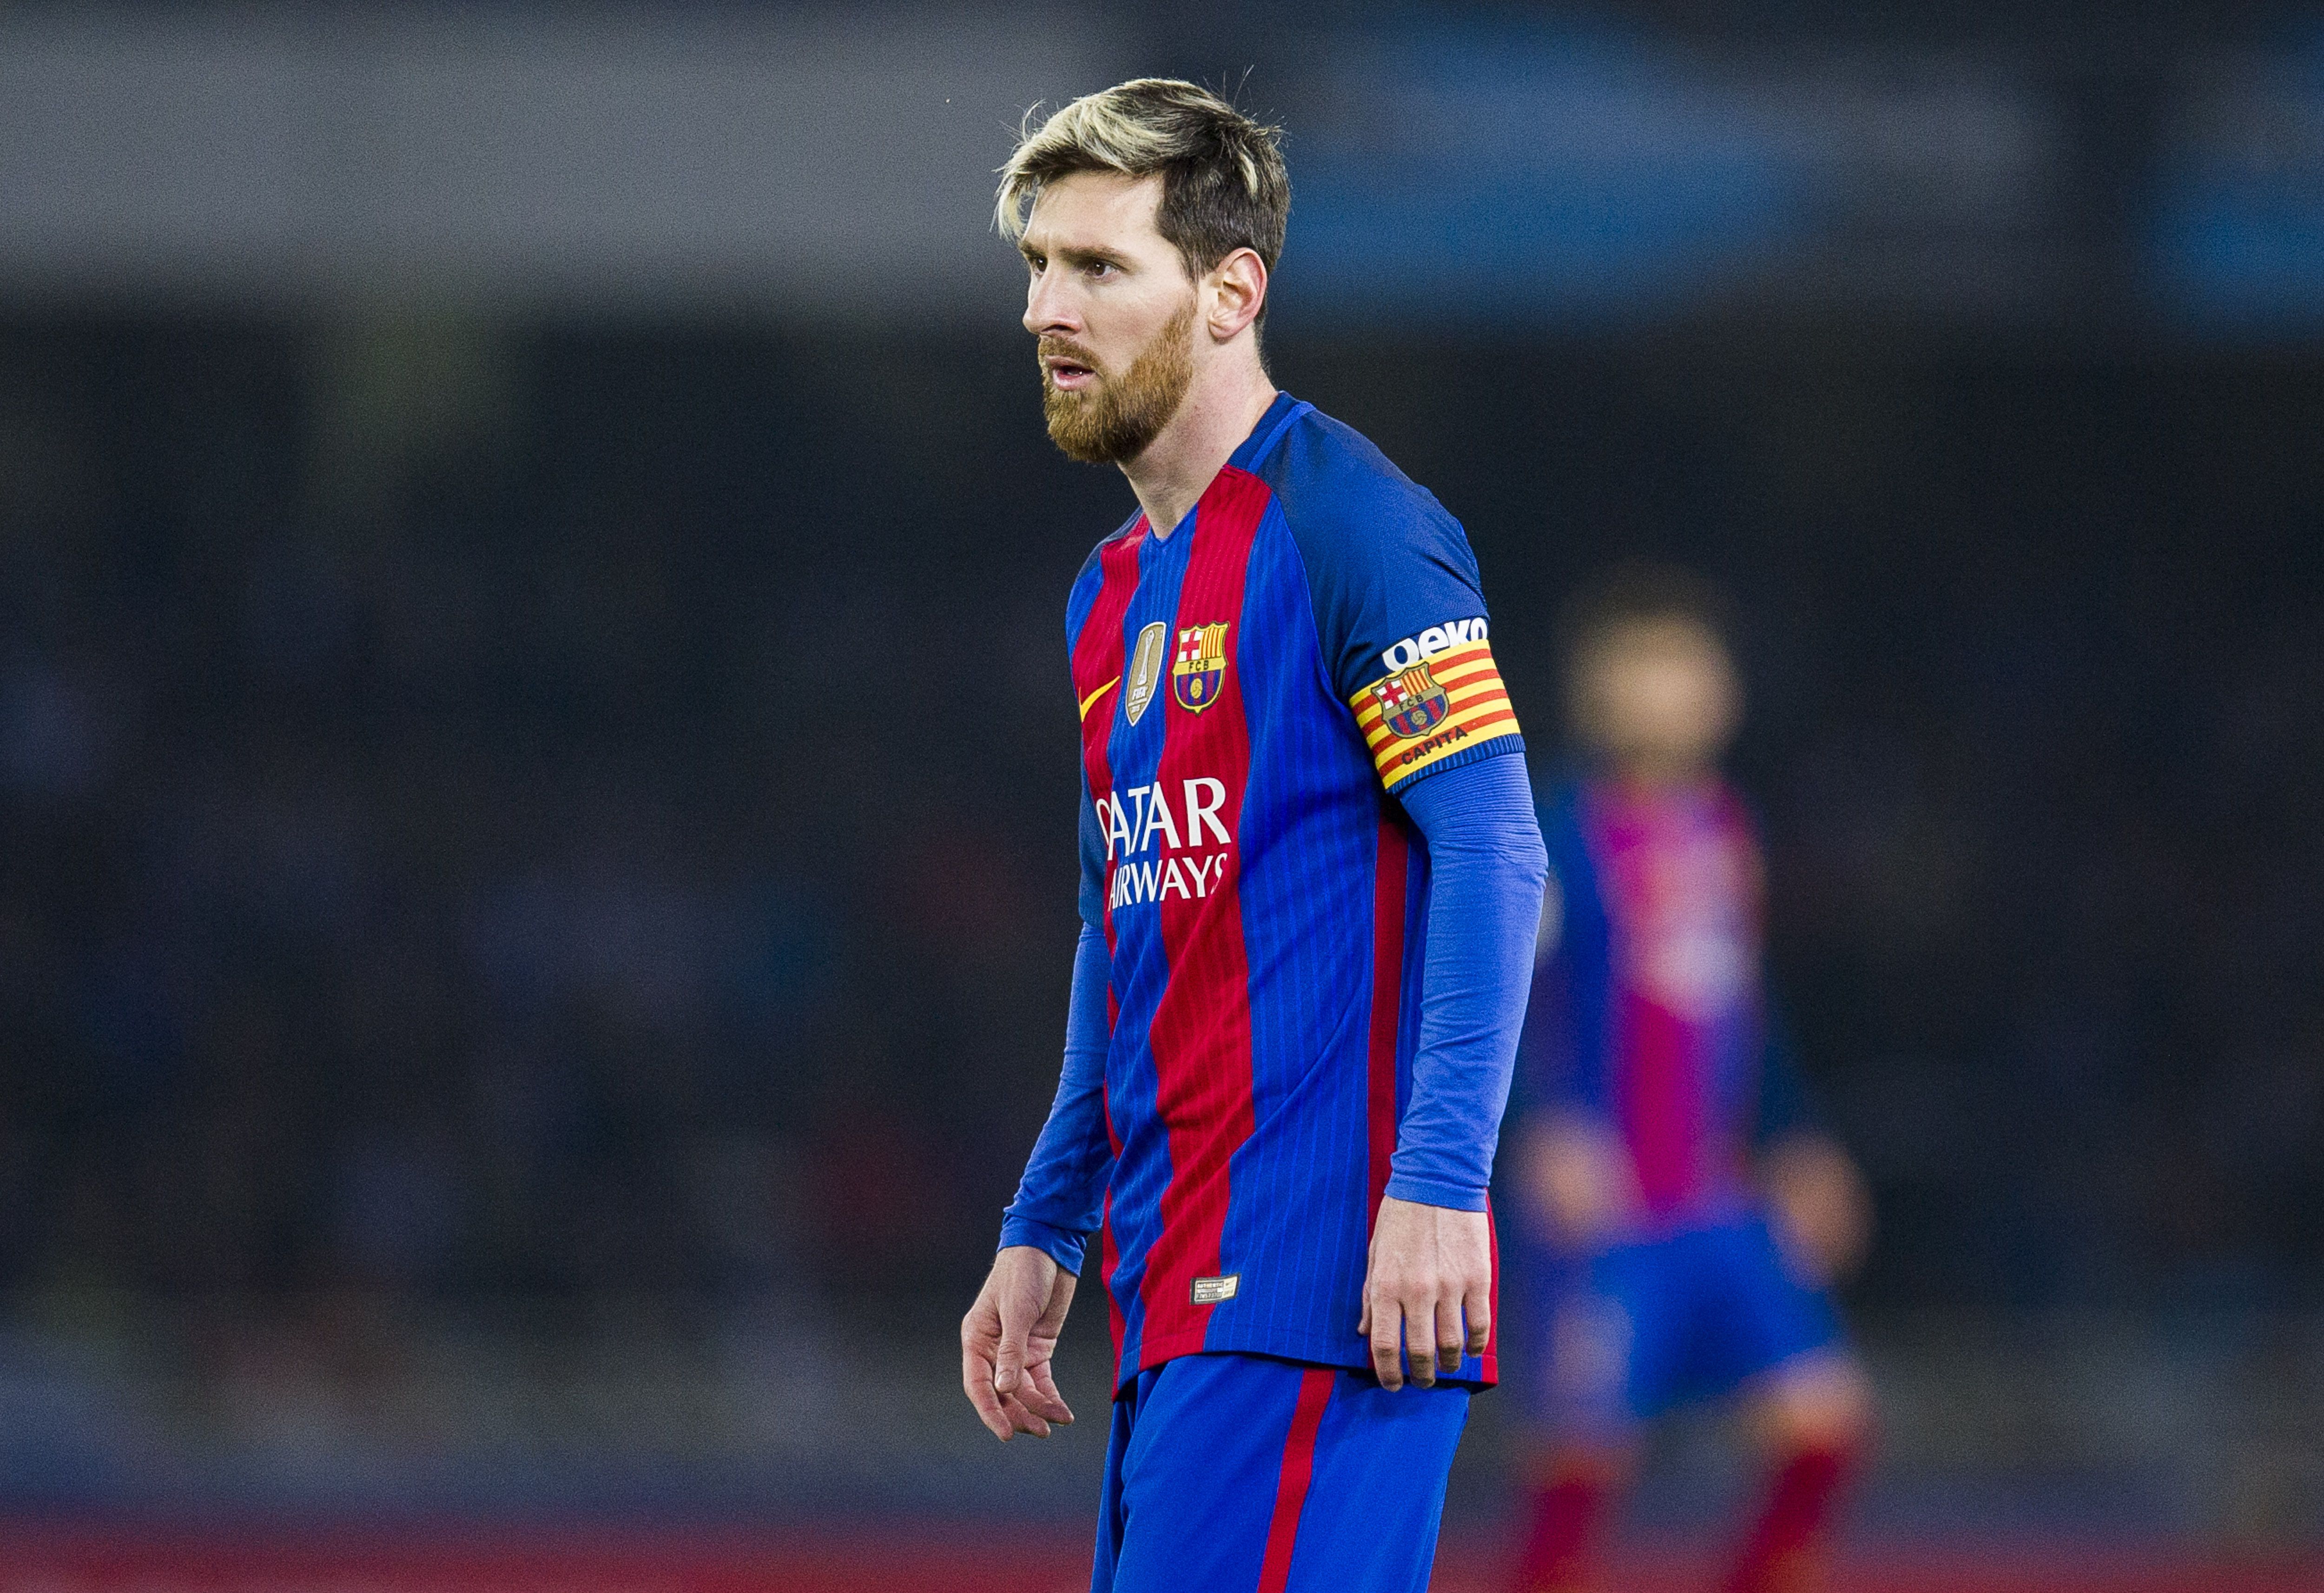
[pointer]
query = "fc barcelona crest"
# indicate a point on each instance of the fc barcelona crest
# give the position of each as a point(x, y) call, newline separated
point(1411, 702)
point(1200, 668)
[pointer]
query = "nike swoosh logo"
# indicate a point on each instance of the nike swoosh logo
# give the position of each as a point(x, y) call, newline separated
point(1090, 701)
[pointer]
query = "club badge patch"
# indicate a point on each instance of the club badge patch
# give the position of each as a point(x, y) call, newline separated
point(1145, 670)
point(1200, 667)
point(1411, 702)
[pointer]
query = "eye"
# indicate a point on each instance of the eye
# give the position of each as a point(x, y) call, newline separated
point(1099, 267)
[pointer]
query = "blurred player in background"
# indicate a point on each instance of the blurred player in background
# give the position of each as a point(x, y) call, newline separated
point(1681, 1221)
point(1311, 874)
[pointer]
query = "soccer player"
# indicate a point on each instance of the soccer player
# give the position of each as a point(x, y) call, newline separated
point(1681, 1219)
point(1311, 874)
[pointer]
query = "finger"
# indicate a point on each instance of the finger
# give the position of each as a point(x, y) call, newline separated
point(1021, 1420)
point(1040, 1394)
point(1478, 1308)
point(1420, 1339)
point(1364, 1321)
point(1386, 1334)
point(1008, 1358)
point(1451, 1343)
point(976, 1378)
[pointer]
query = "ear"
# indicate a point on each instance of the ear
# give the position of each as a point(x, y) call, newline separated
point(1234, 292)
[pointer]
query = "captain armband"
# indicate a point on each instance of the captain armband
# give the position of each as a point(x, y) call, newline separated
point(1441, 698)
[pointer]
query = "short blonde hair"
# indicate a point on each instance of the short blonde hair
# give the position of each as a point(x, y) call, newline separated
point(1223, 183)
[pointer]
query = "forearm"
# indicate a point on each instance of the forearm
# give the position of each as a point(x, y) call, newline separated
point(1057, 1202)
point(1486, 873)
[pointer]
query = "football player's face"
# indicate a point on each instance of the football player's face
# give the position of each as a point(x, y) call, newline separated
point(1660, 697)
point(1109, 301)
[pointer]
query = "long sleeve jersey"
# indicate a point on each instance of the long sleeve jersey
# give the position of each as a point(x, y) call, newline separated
point(1648, 1012)
point(1258, 690)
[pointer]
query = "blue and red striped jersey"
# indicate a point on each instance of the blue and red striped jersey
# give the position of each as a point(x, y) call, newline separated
point(1648, 1010)
point(1255, 687)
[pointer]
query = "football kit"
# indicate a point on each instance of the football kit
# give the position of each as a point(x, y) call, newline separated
point(1301, 793)
point(1649, 1018)
point(1290, 1476)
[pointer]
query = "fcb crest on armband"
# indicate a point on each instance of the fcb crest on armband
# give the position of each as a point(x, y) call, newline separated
point(1411, 703)
point(1200, 668)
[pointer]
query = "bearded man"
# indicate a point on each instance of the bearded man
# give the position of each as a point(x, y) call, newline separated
point(1311, 877)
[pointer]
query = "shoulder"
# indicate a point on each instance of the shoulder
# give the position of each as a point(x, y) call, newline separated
point(1386, 564)
point(1561, 799)
point(1570, 818)
point(1739, 813)
point(1561, 811)
point(1573, 860)
point(1344, 499)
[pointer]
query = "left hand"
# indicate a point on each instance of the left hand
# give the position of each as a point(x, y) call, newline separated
point(1431, 1271)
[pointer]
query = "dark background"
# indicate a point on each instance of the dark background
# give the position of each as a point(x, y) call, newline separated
point(604, 825)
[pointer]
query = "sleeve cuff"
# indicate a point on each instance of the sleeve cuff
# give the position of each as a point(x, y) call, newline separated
point(1063, 1245)
point(1431, 1191)
point(1495, 747)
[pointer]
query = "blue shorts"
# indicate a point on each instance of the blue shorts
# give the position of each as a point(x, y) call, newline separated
point(1235, 1472)
point(1619, 1338)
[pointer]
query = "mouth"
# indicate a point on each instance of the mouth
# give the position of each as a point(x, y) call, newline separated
point(1068, 375)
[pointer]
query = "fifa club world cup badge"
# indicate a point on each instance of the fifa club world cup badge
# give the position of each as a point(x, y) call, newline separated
point(1411, 702)
point(1145, 670)
point(1200, 667)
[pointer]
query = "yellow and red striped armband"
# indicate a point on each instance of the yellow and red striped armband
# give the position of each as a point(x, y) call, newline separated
point(1418, 716)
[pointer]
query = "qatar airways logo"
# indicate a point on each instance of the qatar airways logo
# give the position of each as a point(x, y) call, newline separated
point(1435, 640)
point(1181, 826)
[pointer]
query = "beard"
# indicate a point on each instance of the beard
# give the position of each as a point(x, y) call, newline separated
point(1115, 417)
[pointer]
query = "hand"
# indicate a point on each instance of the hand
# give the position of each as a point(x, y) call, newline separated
point(1822, 1210)
point(1431, 1268)
point(1006, 1340)
point(1576, 1178)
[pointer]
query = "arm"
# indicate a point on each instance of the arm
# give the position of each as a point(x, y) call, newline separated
point(1487, 871)
point(1822, 1206)
point(1572, 1170)
point(1432, 1247)
point(1009, 1335)
point(1008, 1338)
point(1405, 641)
point(1785, 1105)
point(1057, 1203)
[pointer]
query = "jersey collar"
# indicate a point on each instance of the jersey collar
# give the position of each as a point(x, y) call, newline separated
point(1271, 428)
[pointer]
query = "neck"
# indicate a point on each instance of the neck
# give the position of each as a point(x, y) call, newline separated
point(1219, 410)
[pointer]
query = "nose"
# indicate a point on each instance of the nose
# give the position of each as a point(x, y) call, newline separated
point(1048, 304)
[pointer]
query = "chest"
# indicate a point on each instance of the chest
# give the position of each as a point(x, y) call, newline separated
point(1682, 901)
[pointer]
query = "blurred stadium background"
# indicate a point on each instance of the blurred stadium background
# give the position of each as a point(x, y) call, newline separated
point(537, 889)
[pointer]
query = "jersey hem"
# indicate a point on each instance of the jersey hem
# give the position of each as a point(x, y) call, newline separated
point(1313, 1350)
point(1494, 748)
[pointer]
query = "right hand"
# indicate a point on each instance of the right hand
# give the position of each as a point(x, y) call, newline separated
point(1577, 1179)
point(1007, 1341)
